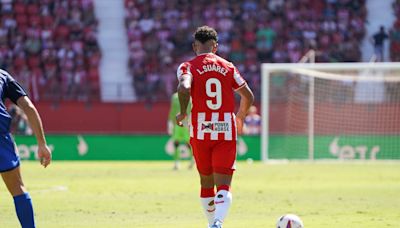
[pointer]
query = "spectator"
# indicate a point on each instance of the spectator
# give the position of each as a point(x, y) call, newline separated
point(252, 122)
point(48, 41)
point(395, 34)
point(378, 40)
point(395, 42)
point(251, 32)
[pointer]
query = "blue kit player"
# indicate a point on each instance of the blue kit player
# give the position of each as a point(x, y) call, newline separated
point(9, 159)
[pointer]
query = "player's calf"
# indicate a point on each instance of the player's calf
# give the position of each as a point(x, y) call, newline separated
point(223, 201)
point(24, 209)
point(207, 201)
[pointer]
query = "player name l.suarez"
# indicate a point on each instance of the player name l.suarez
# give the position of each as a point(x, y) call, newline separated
point(213, 67)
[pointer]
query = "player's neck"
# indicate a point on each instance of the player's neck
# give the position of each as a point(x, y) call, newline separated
point(204, 53)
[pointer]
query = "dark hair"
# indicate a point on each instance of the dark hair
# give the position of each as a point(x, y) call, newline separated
point(205, 33)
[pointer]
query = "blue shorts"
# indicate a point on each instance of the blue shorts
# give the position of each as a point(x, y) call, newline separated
point(9, 158)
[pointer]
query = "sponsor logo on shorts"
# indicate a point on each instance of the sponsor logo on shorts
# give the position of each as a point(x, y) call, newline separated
point(220, 126)
point(208, 126)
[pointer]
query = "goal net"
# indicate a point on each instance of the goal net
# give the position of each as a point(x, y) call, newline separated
point(330, 111)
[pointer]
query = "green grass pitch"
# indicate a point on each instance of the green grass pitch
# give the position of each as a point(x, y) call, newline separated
point(151, 194)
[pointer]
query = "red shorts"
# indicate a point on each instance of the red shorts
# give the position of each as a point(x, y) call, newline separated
point(214, 156)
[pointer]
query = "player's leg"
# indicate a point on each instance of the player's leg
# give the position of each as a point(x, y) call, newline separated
point(191, 158)
point(186, 140)
point(202, 157)
point(224, 155)
point(176, 136)
point(223, 198)
point(10, 172)
point(180, 136)
point(176, 155)
point(22, 200)
point(207, 195)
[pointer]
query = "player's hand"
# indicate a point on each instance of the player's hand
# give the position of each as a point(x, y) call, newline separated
point(179, 118)
point(44, 154)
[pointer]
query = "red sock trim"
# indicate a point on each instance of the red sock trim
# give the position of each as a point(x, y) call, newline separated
point(207, 192)
point(223, 187)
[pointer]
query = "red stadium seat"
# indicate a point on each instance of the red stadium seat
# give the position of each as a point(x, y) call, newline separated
point(33, 9)
point(34, 20)
point(19, 8)
point(31, 22)
point(22, 19)
point(33, 62)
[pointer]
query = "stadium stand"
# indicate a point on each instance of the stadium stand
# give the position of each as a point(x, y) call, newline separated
point(50, 46)
point(395, 34)
point(250, 32)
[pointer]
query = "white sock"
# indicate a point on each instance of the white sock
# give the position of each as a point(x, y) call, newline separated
point(209, 208)
point(176, 165)
point(222, 200)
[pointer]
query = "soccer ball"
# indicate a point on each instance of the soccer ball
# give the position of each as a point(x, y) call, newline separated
point(289, 221)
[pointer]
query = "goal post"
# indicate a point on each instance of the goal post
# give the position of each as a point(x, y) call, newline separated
point(330, 111)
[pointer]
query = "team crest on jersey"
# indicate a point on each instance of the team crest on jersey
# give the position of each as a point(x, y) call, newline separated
point(219, 126)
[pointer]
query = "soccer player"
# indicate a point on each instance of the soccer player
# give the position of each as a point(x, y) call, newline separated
point(210, 81)
point(9, 160)
point(180, 135)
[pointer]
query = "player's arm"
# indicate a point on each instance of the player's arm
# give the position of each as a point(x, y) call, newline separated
point(184, 86)
point(18, 96)
point(246, 100)
point(35, 122)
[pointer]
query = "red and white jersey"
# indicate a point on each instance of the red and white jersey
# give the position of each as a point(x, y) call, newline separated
point(214, 81)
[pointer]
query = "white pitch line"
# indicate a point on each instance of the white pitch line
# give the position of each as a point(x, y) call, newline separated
point(59, 188)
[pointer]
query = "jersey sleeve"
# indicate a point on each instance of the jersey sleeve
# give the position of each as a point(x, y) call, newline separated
point(238, 80)
point(13, 89)
point(183, 69)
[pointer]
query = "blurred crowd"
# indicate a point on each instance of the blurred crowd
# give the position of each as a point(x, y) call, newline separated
point(51, 47)
point(250, 32)
point(395, 34)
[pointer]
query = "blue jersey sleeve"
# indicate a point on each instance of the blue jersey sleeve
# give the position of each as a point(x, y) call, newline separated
point(13, 90)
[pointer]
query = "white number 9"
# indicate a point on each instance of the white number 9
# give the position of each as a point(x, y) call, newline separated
point(217, 94)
